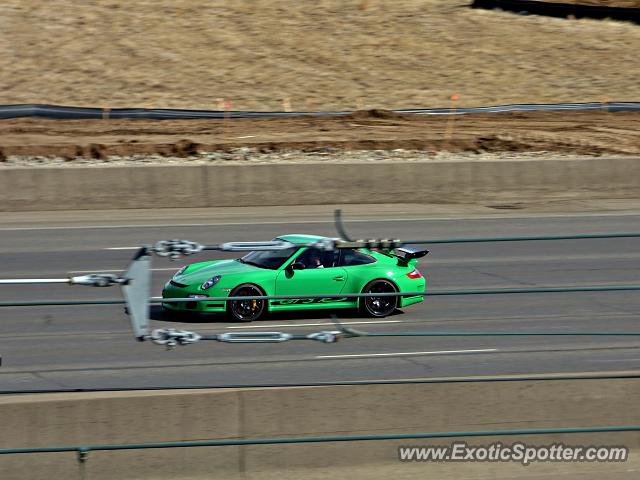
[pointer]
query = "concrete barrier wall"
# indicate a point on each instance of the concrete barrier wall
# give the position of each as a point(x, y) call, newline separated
point(95, 418)
point(32, 189)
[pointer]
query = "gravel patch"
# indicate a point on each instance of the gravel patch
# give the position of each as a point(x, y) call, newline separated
point(249, 156)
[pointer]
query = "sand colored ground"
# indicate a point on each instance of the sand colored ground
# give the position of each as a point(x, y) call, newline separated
point(325, 54)
point(590, 133)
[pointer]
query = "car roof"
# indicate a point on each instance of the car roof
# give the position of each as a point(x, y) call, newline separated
point(299, 238)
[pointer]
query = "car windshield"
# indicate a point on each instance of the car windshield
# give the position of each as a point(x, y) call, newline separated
point(271, 259)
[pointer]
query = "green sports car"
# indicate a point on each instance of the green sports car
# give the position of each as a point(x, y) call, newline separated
point(299, 270)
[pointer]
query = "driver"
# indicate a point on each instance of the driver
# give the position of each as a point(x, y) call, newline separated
point(314, 261)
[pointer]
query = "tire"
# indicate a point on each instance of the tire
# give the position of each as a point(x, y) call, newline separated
point(246, 310)
point(379, 307)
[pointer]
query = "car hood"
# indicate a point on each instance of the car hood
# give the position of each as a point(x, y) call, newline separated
point(217, 267)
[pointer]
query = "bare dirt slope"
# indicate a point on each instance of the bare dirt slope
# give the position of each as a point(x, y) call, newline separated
point(567, 132)
point(325, 54)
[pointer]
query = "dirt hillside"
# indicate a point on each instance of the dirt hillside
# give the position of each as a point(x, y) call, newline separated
point(325, 54)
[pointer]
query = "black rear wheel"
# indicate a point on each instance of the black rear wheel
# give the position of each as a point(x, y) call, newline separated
point(379, 306)
point(246, 310)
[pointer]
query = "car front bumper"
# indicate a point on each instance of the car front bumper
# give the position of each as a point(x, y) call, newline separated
point(190, 304)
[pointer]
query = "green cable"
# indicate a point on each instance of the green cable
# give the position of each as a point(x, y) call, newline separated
point(343, 438)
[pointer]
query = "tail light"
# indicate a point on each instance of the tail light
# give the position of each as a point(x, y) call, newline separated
point(415, 273)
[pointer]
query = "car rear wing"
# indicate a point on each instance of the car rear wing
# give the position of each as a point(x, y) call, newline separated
point(406, 254)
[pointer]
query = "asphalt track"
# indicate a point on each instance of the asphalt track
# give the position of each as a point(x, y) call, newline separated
point(69, 347)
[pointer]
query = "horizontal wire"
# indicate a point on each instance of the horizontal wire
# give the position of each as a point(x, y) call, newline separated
point(338, 438)
point(488, 334)
point(439, 380)
point(363, 243)
point(579, 236)
point(488, 291)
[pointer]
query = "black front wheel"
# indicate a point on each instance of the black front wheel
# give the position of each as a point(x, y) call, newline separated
point(379, 306)
point(246, 310)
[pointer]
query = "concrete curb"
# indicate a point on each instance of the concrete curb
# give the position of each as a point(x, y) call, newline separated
point(131, 417)
point(87, 188)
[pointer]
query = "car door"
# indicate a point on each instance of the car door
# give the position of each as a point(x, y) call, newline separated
point(316, 278)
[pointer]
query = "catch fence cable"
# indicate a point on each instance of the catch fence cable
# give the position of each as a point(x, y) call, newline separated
point(83, 450)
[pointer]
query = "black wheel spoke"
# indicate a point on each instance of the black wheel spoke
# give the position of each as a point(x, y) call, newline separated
point(246, 310)
point(380, 306)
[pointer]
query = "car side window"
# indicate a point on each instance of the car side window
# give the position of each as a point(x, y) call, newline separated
point(353, 257)
point(315, 258)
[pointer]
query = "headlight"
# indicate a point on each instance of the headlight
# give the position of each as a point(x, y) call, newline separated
point(180, 272)
point(210, 283)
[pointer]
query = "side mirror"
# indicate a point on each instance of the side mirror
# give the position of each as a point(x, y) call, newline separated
point(298, 266)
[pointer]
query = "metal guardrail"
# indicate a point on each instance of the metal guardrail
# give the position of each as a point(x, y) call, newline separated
point(70, 113)
point(83, 450)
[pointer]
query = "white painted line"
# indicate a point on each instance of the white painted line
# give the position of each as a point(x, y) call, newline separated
point(118, 270)
point(122, 248)
point(437, 352)
point(291, 325)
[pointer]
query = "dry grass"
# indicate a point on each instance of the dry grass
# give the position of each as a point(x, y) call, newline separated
point(325, 54)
